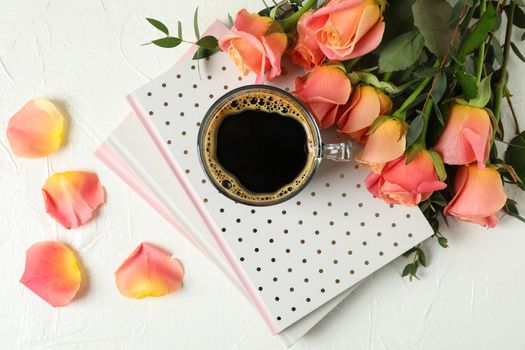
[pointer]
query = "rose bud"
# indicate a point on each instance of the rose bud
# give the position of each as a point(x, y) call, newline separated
point(257, 44)
point(346, 29)
point(306, 52)
point(406, 184)
point(385, 143)
point(479, 195)
point(365, 106)
point(466, 137)
point(323, 91)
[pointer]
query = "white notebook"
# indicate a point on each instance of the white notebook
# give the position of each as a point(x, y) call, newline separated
point(132, 155)
point(291, 258)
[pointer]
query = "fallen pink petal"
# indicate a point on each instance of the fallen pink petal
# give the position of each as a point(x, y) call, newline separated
point(36, 130)
point(52, 273)
point(149, 271)
point(72, 197)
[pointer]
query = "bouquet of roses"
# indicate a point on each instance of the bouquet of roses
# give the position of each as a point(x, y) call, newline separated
point(419, 83)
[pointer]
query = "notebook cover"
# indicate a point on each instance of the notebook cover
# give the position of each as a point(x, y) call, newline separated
point(131, 135)
point(307, 250)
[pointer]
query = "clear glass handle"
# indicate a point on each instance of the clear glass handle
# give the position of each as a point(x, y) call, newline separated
point(341, 152)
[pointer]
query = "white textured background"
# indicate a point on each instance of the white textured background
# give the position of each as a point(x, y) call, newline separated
point(87, 56)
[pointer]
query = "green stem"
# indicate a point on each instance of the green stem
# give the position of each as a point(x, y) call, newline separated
point(350, 64)
point(400, 112)
point(386, 76)
point(481, 51)
point(502, 81)
point(508, 95)
point(289, 22)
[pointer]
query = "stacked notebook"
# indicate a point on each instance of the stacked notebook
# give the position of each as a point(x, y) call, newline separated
point(295, 260)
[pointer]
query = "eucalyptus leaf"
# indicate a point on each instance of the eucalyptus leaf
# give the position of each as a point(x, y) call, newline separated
point(498, 51)
point(439, 115)
point(422, 258)
point(432, 17)
point(517, 51)
point(179, 29)
point(443, 241)
point(402, 52)
point(519, 16)
point(196, 24)
point(512, 209)
point(440, 85)
point(203, 52)
point(438, 165)
point(518, 2)
point(415, 129)
point(168, 42)
point(208, 42)
point(515, 155)
point(159, 25)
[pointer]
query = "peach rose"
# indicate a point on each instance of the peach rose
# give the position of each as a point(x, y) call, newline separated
point(479, 195)
point(323, 91)
point(257, 44)
point(466, 137)
point(385, 143)
point(346, 29)
point(406, 184)
point(306, 52)
point(365, 106)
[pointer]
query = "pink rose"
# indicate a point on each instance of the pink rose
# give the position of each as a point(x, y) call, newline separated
point(323, 91)
point(306, 52)
point(466, 137)
point(385, 143)
point(346, 29)
point(365, 106)
point(257, 45)
point(479, 195)
point(406, 184)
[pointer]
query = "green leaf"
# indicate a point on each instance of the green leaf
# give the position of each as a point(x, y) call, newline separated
point(179, 29)
point(204, 53)
point(440, 85)
point(422, 257)
point(443, 241)
point(484, 93)
point(168, 42)
point(415, 129)
point(512, 210)
point(498, 51)
point(517, 51)
point(519, 16)
point(230, 20)
point(518, 2)
point(196, 23)
point(401, 52)
point(159, 25)
point(487, 23)
point(515, 155)
point(208, 42)
point(371, 79)
point(409, 270)
point(438, 165)
point(468, 83)
point(432, 17)
point(439, 115)
point(412, 151)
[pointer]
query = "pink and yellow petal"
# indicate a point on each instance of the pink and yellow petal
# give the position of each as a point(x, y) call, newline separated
point(36, 130)
point(149, 272)
point(72, 197)
point(52, 273)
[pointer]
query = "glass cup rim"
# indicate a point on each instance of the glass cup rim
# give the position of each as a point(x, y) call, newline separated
point(221, 102)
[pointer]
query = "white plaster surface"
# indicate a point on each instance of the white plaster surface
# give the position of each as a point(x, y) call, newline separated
point(86, 55)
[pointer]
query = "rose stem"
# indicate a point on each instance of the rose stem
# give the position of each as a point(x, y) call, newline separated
point(502, 80)
point(289, 22)
point(481, 50)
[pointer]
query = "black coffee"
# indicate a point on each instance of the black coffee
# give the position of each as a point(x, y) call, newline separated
point(259, 145)
point(265, 151)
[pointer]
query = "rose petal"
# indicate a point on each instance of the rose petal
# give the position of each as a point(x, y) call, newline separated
point(52, 273)
point(36, 130)
point(149, 272)
point(72, 197)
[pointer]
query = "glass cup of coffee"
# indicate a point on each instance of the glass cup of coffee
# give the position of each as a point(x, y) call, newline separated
point(260, 146)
